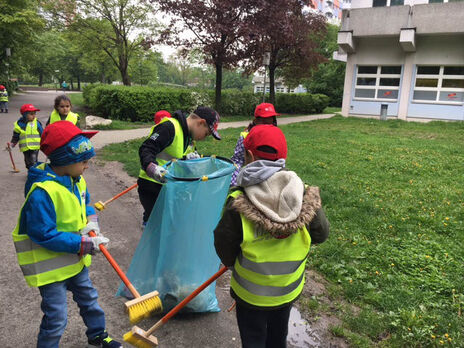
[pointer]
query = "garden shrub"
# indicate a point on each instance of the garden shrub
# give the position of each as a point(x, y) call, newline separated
point(138, 103)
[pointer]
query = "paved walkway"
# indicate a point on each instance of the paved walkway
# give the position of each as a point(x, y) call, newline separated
point(116, 136)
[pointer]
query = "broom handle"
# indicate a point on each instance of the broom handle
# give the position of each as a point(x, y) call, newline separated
point(186, 300)
point(11, 156)
point(121, 193)
point(116, 267)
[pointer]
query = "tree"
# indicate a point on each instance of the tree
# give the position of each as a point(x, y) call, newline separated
point(19, 23)
point(329, 77)
point(290, 35)
point(111, 23)
point(220, 29)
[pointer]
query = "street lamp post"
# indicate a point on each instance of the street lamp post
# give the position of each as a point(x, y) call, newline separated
point(266, 60)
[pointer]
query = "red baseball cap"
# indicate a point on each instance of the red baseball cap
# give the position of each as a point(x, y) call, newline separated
point(160, 115)
point(59, 133)
point(269, 136)
point(265, 110)
point(2, 87)
point(28, 108)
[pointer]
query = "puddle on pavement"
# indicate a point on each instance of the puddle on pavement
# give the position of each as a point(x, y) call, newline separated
point(300, 333)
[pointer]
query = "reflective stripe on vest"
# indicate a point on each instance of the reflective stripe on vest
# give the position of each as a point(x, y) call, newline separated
point(269, 272)
point(42, 266)
point(29, 138)
point(71, 117)
point(173, 151)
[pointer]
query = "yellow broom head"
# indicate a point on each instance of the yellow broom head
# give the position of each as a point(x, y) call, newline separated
point(99, 206)
point(137, 338)
point(144, 306)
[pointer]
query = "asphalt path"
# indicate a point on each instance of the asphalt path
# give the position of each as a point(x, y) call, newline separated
point(20, 313)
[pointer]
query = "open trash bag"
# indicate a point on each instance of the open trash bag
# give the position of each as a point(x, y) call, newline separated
point(176, 252)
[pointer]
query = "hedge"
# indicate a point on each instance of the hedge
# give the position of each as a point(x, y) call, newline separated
point(140, 103)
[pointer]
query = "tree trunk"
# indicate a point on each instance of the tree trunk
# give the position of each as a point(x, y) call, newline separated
point(71, 85)
point(123, 63)
point(79, 82)
point(40, 79)
point(218, 98)
point(271, 84)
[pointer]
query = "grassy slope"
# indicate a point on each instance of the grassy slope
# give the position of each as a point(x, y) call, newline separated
point(393, 193)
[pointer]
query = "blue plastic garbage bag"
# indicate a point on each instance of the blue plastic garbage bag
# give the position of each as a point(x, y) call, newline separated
point(176, 254)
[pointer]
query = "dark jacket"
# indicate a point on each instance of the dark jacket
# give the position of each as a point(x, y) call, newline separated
point(22, 123)
point(163, 136)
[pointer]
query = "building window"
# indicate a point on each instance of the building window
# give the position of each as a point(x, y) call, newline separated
point(377, 82)
point(379, 3)
point(259, 88)
point(280, 89)
point(439, 84)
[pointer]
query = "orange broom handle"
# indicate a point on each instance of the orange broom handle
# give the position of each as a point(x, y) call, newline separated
point(116, 267)
point(121, 193)
point(186, 300)
point(11, 156)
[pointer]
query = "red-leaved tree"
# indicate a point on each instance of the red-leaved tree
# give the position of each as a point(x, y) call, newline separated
point(220, 29)
point(290, 34)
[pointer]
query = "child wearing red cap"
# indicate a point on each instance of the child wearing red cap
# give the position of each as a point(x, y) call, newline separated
point(27, 132)
point(264, 114)
point(3, 99)
point(159, 115)
point(52, 235)
point(264, 236)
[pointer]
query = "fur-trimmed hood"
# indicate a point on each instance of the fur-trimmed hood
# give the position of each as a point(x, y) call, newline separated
point(279, 205)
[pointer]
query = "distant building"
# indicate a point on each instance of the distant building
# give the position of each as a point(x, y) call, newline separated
point(279, 85)
point(331, 9)
point(404, 59)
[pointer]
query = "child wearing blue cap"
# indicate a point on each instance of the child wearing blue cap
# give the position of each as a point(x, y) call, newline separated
point(52, 235)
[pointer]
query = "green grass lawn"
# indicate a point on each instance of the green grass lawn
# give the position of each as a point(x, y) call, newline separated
point(393, 192)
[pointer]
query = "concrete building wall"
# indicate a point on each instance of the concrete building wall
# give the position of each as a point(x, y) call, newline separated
point(438, 18)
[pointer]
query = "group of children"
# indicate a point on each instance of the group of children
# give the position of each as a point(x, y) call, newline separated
point(269, 221)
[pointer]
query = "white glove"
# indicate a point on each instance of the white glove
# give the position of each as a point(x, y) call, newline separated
point(192, 155)
point(156, 172)
point(89, 245)
point(96, 241)
point(92, 225)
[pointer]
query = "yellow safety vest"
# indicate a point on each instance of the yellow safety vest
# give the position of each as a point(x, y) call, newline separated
point(269, 272)
point(175, 150)
point(4, 96)
point(71, 117)
point(29, 138)
point(244, 134)
point(41, 266)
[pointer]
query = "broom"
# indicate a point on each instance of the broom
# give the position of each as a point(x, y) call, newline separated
point(140, 307)
point(143, 339)
point(8, 148)
point(102, 205)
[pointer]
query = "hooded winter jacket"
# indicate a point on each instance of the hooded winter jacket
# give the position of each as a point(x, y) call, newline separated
point(277, 203)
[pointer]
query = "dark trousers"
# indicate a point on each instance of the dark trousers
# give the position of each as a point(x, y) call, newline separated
point(30, 157)
point(148, 194)
point(263, 328)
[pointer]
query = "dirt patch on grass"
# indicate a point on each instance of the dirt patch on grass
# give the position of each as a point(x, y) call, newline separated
point(318, 309)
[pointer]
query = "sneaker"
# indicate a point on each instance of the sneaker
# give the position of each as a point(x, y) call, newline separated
point(104, 341)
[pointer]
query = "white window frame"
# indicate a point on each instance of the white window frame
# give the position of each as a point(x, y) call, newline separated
point(377, 86)
point(440, 77)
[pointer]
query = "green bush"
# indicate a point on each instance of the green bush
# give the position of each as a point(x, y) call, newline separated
point(139, 103)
